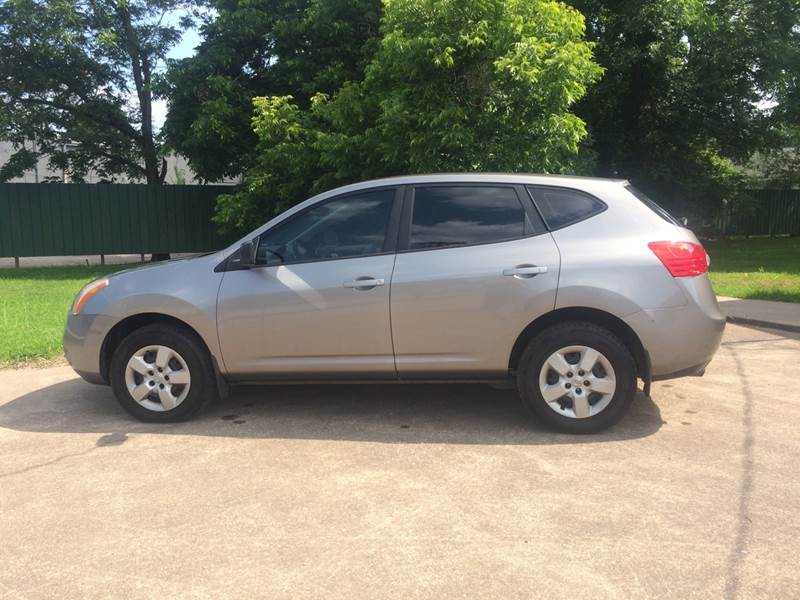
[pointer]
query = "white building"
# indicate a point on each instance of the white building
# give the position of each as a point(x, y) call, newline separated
point(178, 172)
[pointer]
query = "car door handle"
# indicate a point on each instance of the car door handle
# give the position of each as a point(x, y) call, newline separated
point(524, 271)
point(363, 283)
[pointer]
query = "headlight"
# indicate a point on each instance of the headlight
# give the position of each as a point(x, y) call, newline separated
point(87, 292)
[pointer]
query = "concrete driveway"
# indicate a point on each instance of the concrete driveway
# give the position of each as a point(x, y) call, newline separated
point(407, 492)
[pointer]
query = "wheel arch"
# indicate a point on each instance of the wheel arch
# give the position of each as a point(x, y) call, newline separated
point(591, 315)
point(133, 322)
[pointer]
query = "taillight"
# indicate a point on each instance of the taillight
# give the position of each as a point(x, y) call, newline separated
point(682, 259)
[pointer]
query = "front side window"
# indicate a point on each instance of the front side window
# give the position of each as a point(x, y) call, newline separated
point(345, 227)
point(562, 206)
point(460, 216)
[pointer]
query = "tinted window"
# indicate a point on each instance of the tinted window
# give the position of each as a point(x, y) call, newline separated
point(561, 207)
point(458, 216)
point(652, 205)
point(350, 226)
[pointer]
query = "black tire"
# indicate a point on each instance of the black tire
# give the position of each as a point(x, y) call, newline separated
point(576, 333)
point(203, 388)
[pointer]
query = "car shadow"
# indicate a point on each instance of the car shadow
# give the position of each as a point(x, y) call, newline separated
point(391, 414)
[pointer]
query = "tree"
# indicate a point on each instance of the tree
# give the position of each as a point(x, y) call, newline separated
point(779, 166)
point(76, 78)
point(687, 91)
point(260, 48)
point(455, 85)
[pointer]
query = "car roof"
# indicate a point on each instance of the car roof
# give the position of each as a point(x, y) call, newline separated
point(591, 185)
point(587, 184)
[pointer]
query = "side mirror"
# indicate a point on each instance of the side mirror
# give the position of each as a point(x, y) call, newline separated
point(247, 254)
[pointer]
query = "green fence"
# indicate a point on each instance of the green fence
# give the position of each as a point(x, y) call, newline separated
point(761, 212)
point(77, 219)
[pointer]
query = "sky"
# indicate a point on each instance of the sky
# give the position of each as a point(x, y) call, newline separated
point(189, 41)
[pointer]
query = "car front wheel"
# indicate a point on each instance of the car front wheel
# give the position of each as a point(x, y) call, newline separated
point(162, 373)
point(577, 377)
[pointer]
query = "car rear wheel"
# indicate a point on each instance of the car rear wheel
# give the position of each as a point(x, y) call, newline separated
point(162, 373)
point(577, 377)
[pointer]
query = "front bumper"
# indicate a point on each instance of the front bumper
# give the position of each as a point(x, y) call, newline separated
point(83, 342)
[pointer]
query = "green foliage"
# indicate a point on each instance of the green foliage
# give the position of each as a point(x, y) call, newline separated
point(260, 48)
point(76, 79)
point(18, 163)
point(683, 97)
point(779, 166)
point(455, 85)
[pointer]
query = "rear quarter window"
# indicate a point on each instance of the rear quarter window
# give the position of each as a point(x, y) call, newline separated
point(561, 207)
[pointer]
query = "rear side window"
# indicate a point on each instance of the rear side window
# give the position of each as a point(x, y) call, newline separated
point(561, 206)
point(465, 215)
point(644, 199)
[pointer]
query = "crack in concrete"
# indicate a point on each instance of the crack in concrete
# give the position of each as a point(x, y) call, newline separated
point(739, 342)
point(740, 546)
point(111, 439)
point(46, 463)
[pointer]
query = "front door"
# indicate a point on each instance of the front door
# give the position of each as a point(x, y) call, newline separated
point(475, 266)
point(317, 302)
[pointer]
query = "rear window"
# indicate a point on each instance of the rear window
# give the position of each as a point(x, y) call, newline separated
point(561, 206)
point(644, 199)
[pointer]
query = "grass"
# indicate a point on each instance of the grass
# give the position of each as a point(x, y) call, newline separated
point(758, 268)
point(33, 309)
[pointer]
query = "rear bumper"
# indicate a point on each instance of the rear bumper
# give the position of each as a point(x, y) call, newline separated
point(83, 341)
point(694, 371)
point(681, 341)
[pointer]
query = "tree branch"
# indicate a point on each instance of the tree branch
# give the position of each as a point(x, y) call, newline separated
point(126, 129)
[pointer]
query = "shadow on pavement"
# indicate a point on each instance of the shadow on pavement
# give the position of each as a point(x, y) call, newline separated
point(405, 414)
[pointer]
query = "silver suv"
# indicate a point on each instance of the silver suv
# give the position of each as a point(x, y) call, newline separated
point(574, 288)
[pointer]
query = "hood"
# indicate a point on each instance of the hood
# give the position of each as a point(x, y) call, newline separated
point(160, 263)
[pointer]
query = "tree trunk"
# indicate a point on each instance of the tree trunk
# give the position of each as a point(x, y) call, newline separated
point(154, 170)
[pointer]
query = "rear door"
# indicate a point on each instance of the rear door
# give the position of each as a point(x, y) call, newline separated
point(475, 266)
